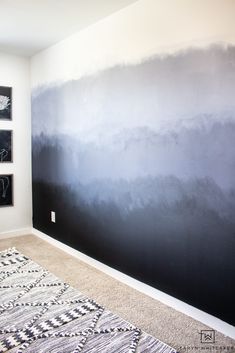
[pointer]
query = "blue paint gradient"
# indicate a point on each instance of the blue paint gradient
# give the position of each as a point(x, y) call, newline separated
point(139, 163)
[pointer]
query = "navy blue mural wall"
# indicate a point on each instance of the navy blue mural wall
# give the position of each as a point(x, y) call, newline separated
point(138, 162)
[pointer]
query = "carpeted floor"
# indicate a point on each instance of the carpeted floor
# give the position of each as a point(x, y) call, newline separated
point(153, 317)
point(39, 313)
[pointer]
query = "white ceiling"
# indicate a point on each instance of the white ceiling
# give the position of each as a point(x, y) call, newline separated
point(28, 26)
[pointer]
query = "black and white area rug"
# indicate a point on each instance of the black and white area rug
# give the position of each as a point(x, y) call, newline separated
point(41, 314)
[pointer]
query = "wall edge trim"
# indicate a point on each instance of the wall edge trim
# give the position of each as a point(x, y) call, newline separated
point(15, 233)
point(196, 314)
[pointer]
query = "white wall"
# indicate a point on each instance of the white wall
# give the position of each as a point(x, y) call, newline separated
point(145, 28)
point(14, 72)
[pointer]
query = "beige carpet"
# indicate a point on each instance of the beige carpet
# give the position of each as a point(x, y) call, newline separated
point(163, 322)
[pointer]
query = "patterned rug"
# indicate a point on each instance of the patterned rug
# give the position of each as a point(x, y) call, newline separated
point(41, 314)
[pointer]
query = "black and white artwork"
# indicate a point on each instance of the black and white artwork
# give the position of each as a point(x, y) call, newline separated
point(5, 146)
point(6, 190)
point(5, 102)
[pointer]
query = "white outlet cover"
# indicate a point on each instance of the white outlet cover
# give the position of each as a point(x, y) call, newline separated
point(53, 216)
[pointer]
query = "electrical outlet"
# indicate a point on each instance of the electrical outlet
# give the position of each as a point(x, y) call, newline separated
point(53, 216)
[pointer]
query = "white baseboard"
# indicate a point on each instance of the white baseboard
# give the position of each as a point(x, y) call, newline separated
point(166, 299)
point(15, 233)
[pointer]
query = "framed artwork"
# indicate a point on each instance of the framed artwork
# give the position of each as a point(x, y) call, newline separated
point(6, 190)
point(5, 102)
point(5, 146)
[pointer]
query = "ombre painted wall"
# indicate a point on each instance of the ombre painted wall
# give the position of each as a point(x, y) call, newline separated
point(133, 146)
